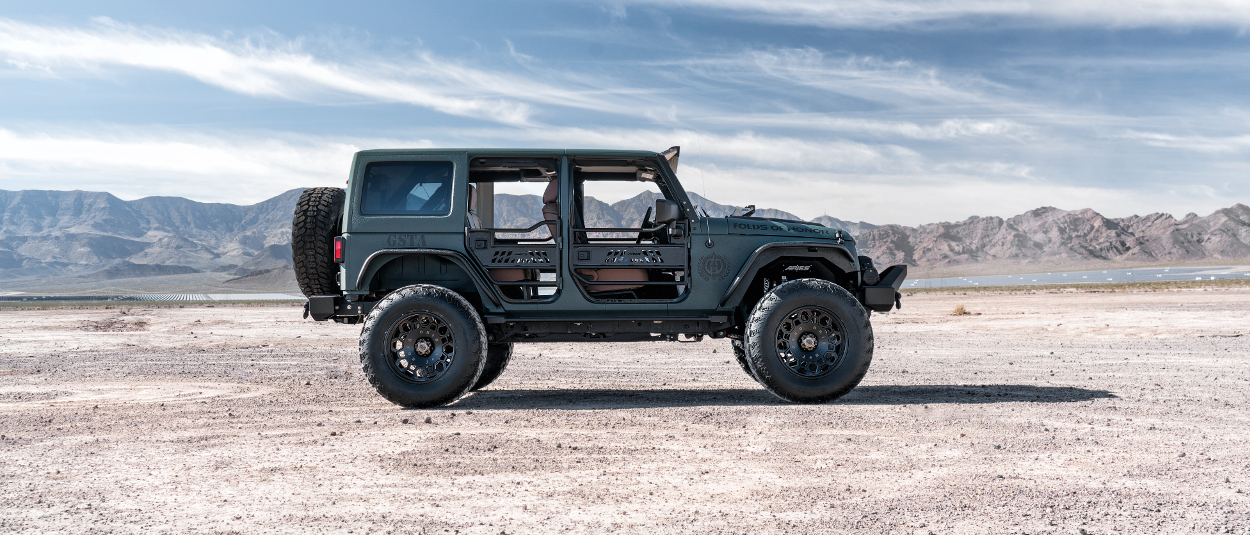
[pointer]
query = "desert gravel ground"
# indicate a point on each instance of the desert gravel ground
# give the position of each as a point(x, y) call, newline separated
point(1038, 413)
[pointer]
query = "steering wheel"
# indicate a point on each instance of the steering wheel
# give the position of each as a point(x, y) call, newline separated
point(646, 223)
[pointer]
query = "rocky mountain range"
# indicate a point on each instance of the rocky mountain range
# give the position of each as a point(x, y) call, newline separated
point(97, 236)
point(50, 233)
point(1056, 238)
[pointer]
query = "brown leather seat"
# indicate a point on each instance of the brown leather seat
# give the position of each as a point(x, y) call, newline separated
point(508, 274)
point(502, 274)
point(551, 205)
point(614, 275)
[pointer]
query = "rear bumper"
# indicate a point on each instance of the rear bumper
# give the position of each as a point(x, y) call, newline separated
point(326, 307)
point(884, 295)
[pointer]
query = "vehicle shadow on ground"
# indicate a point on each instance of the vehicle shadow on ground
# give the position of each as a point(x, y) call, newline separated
point(601, 399)
point(973, 394)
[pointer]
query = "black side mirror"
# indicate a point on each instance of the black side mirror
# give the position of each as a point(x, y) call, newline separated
point(666, 211)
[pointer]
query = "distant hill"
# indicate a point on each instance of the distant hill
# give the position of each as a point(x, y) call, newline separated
point(127, 270)
point(1053, 237)
point(57, 233)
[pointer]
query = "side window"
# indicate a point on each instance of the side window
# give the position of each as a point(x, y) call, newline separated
point(613, 203)
point(407, 188)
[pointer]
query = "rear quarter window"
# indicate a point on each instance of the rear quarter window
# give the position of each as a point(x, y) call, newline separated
point(407, 188)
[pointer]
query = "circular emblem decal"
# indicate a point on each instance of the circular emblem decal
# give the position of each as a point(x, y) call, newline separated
point(713, 267)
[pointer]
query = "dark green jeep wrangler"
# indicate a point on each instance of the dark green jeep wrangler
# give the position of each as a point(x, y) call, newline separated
point(412, 250)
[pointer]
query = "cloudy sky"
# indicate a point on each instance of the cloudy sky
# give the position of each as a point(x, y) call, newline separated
point(887, 111)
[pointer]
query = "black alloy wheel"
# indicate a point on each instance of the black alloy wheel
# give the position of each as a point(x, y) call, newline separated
point(810, 342)
point(422, 347)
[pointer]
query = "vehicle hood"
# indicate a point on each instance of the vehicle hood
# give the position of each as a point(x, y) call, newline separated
point(775, 227)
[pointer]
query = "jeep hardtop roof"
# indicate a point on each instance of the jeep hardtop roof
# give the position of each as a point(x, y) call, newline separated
point(518, 152)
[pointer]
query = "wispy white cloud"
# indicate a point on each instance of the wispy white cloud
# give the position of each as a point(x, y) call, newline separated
point(888, 13)
point(789, 71)
point(286, 71)
point(277, 67)
point(138, 162)
point(1208, 144)
point(948, 129)
point(867, 77)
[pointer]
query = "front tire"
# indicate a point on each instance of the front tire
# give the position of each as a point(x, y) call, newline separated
point(423, 346)
point(809, 341)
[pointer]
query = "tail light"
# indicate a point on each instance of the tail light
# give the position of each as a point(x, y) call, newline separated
point(338, 249)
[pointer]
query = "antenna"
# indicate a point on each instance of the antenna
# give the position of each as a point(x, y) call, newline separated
point(698, 145)
point(707, 227)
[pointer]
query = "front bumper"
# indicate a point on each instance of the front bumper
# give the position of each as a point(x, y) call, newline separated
point(884, 295)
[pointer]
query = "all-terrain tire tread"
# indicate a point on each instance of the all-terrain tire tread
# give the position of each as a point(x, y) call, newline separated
point(740, 353)
point(317, 220)
point(497, 358)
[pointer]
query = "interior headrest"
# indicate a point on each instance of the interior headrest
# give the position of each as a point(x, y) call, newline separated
point(472, 198)
point(552, 194)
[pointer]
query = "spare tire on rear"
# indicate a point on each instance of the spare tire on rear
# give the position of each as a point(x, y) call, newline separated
point(318, 220)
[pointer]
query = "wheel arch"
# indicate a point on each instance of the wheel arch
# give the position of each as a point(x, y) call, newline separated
point(374, 264)
point(838, 264)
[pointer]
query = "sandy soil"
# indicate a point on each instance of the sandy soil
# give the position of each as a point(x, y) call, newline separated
point(1046, 413)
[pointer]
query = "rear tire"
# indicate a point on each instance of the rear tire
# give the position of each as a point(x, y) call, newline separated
point(317, 221)
point(809, 341)
point(423, 346)
point(740, 353)
point(497, 358)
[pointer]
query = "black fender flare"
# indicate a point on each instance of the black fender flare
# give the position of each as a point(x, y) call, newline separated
point(380, 257)
point(840, 256)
